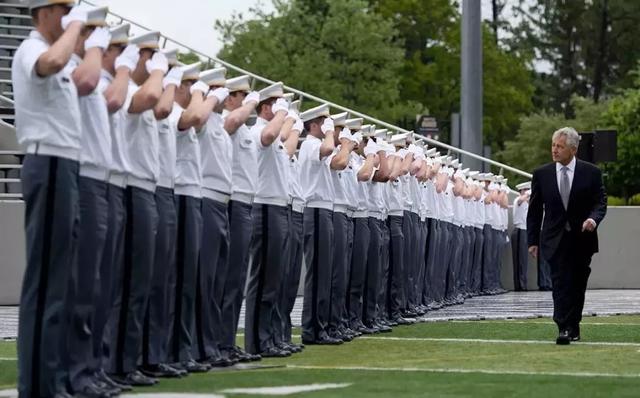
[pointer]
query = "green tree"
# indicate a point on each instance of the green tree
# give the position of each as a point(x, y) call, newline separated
point(336, 49)
point(188, 58)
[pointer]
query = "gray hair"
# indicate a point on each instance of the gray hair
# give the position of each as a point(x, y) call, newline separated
point(572, 136)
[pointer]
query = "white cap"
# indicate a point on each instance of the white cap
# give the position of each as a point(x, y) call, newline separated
point(399, 139)
point(33, 4)
point(339, 119)
point(431, 152)
point(214, 77)
point(295, 105)
point(381, 133)
point(524, 185)
point(314, 113)
point(367, 130)
point(288, 97)
point(455, 163)
point(120, 34)
point(149, 40)
point(191, 72)
point(354, 124)
point(97, 16)
point(172, 56)
point(275, 90)
point(240, 83)
point(473, 174)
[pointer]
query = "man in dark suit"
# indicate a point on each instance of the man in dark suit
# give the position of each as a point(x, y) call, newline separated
point(568, 202)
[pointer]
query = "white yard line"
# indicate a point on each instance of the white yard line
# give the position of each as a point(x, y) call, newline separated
point(458, 370)
point(499, 341)
point(8, 359)
point(551, 323)
point(285, 390)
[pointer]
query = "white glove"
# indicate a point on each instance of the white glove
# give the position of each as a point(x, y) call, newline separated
point(99, 38)
point(327, 126)
point(76, 14)
point(291, 114)
point(390, 150)
point(199, 86)
point(129, 58)
point(371, 148)
point(253, 96)
point(345, 133)
point(357, 138)
point(173, 77)
point(298, 125)
point(280, 105)
point(158, 62)
point(221, 93)
point(413, 148)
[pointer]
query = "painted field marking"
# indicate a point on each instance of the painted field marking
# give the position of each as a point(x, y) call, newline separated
point(552, 323)
point(500, 341)
point(7, 359)
point(458, 370)
point(285, 390)
point(171, 395)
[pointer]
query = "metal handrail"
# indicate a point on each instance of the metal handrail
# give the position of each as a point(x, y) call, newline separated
point(312, 97)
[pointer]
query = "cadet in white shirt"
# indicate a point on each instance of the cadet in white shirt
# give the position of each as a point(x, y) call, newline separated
point(469, 235)
point(48, 129)
point(433, 167)
point(95, 159)
point(519, 247)
point(315, 177)
point(363, 161)
point(117, 65)
point(443, 253)
point(342, 237)
point(238, 108)
point(458, 240)
point(478, 224)
point(414, 250)
point(133, 289)
point(215, 154)
point(376, 213)
point(490, 236)
point(269, 246)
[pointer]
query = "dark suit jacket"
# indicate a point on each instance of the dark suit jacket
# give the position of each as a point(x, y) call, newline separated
point(586, 200)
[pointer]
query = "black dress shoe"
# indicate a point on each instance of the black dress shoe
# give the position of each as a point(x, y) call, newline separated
point(192, 366)
point(135, 379)
point(367, 330)
point(563, 338)
point(403, 321)
point(274, 352)
point(93, 390)
point(63, 394)
point(574, 333)
point(161, 370)
point(325, 340)
point(103, 377)
point(383, 328)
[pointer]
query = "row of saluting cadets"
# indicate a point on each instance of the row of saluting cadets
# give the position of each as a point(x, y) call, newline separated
point(151, 203)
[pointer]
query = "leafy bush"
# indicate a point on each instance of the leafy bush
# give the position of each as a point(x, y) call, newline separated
point(635, 200)
point(615, 201)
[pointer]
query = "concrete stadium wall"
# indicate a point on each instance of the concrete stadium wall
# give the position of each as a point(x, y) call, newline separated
point(617, 266)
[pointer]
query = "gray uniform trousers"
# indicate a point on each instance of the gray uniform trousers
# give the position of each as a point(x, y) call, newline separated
point(50, 192)
point(240, 232)
point(341, 249)
point(81, 296)
point(444, 260)
point(350, 237)
point(110, 268)
point(373, 267)
point(163, 285)
point(453, 273)
point(381, 301)
point(487, 258)
point(478, 253)
point(413, 300)
point(408, 257)
point(214, 250)
point(467, 255)
point(269, 254)
point(494, 273)
point(133, 285)
point(397, 279)
point(520, 253)
point(294, 269)
point(429, 293)
point(358, 271)
point(421, 260)
point(318, 258)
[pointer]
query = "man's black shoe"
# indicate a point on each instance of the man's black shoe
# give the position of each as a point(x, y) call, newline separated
point(275, 352)
point(367, 330)
point(135, 379)
point(103, 377)
point(403, 321)
point(383, 328)
point(574, 333)
point(94, 390)
point(323, 341)
point(563, 338)
point(192, 366)
point(63, 394)
point(161, 371)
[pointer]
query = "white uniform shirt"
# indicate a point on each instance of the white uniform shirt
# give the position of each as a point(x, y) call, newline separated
point(376, 202)
point(119, 160)
point(349, 180)
point(244, 178)
point(142, 143)
point(359, 189)
point(273, 172)
point(447, 203)
point(188, 180)
point(47, 109)
point(407, 198)
point(216, 154)
point(481, 211)
point(458, 210)
point(339, 188)
point(167, 132)
point(394, 191)
point(95, 140)
point(295, 188)
point(430, 199)
point(315, 175)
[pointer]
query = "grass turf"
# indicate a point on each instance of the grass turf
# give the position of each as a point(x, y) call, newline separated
point(412, 367)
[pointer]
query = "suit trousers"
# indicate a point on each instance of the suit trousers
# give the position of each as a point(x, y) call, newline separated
point(50, 191)
point(81, 296)
point(269, 254)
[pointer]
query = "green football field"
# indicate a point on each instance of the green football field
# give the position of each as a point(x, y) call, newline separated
point(513, 358)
